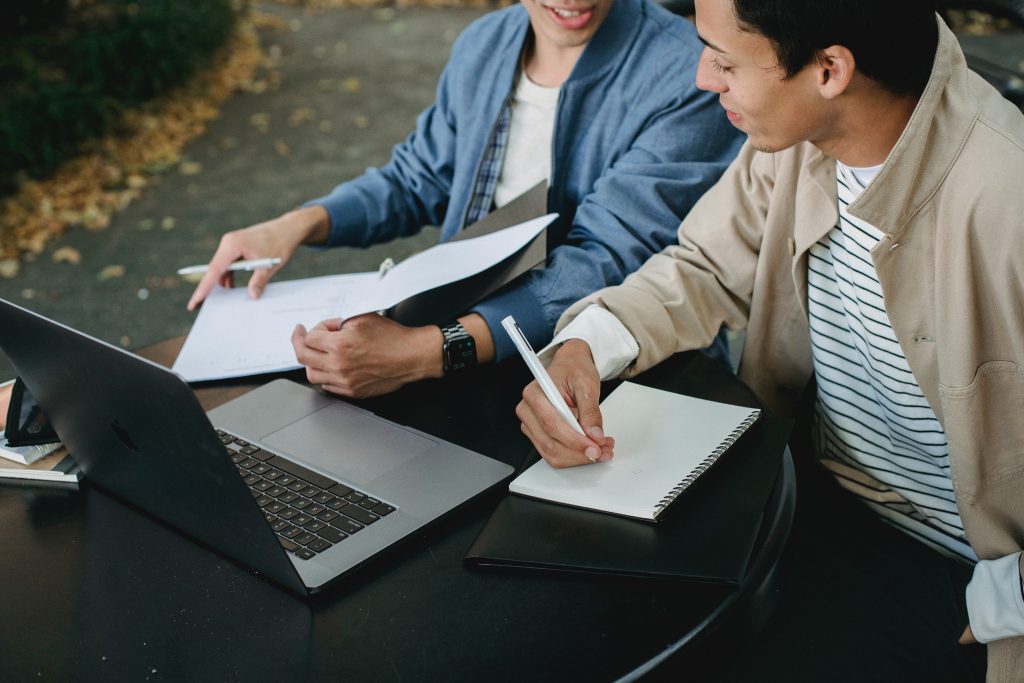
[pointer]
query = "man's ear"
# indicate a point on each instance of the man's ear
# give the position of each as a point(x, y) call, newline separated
point(835, 67)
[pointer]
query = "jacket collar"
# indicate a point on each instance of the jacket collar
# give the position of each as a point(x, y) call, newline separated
point(928, 146)
point(609, 43)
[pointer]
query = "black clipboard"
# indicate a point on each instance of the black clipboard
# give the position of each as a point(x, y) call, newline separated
point(707, 535)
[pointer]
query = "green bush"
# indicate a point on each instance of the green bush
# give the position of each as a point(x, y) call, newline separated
point(68, 69)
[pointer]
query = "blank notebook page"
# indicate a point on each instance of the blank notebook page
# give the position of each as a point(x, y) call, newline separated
point(663, 441)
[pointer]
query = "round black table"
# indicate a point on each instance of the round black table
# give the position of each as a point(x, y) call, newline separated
point(94, 590)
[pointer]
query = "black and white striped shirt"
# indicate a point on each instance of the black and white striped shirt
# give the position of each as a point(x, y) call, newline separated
point(873, 427)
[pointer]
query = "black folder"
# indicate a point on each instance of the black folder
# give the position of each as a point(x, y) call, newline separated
point(439, 305)
point(708, 534)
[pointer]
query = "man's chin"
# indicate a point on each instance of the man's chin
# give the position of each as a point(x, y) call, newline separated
point(765, 146)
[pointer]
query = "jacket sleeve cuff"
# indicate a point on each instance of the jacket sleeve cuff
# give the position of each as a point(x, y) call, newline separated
point(517, 302)
point(995, 604)
point(347, 216)
point(611, 344)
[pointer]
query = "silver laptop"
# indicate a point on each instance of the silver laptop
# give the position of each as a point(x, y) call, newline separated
point(299, 486)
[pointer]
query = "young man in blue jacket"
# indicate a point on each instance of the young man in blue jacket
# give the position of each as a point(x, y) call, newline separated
point(597, 97)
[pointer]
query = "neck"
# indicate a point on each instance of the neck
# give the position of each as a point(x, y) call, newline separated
point(550, 65)
point(866, 126)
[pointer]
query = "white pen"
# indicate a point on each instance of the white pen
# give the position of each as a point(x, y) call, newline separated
point(539, 373)
point(251, 264)
point(385, 267)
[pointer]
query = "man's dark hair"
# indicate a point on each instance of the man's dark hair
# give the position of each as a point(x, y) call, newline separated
point(892, 41)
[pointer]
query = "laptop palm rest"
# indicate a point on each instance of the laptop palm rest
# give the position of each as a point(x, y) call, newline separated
point(353, 445)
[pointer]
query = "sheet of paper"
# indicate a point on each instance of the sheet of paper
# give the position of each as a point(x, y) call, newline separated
point(447, 262)
point(235, 336)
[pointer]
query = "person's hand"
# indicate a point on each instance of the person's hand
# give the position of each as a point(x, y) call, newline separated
point(367, 355)
point(967, 637)
point(276, 238)
point(5, 401)
point(574, 373)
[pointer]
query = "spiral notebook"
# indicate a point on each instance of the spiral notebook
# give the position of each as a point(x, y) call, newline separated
point(663, 443)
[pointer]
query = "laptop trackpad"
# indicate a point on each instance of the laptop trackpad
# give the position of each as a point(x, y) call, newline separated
point(354, 445)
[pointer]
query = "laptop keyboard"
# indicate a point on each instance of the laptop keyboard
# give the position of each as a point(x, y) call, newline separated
point(308, 511)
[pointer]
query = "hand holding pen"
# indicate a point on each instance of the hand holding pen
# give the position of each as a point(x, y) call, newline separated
point(565, 434)
point(263, 249)
point(244, 265)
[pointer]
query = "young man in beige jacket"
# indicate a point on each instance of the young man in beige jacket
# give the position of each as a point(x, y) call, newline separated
point(866, 238)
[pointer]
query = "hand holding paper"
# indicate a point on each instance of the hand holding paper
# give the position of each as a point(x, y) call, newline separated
point(367, 355)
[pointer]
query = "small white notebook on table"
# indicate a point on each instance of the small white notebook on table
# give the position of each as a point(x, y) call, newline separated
point(663, 443)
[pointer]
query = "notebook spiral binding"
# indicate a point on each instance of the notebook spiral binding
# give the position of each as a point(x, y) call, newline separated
point(705, 464)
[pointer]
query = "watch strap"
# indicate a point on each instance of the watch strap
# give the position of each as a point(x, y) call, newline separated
point(453, 330)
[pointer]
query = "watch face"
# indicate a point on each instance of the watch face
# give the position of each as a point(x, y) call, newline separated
point(460, 354)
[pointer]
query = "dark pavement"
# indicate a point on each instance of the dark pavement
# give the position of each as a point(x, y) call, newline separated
point(352, 84)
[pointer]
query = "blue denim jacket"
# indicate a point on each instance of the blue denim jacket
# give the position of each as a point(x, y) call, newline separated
point(635, 144)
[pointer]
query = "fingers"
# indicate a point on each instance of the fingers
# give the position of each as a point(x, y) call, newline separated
point(967, 637)
point(308, 354)
point(323, 337)
point(258, 282)
point(216, 271)
point(557, 442)
point(330, 325)
point(589, 414)
point(5, 400)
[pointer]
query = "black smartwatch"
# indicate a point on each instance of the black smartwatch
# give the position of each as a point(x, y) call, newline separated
point(459, 350)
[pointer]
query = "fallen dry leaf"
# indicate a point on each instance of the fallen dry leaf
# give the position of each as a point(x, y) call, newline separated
point(67, 255)
point(281, 148)
point(190, 168)
point(110, 272)
point(9, 268)
point(260, 121)
point(300, 116)
point(352, 85)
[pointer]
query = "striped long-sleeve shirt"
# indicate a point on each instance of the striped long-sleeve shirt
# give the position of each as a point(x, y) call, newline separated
point(874, 427)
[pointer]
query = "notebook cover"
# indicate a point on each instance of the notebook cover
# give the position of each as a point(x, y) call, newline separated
point(706, 535)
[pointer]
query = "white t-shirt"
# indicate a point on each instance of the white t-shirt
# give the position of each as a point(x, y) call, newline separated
point(528, 152)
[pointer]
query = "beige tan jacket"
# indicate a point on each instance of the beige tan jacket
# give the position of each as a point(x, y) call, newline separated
point(950, 200)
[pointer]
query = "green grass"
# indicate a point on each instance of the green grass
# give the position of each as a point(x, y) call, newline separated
point(67, 70)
